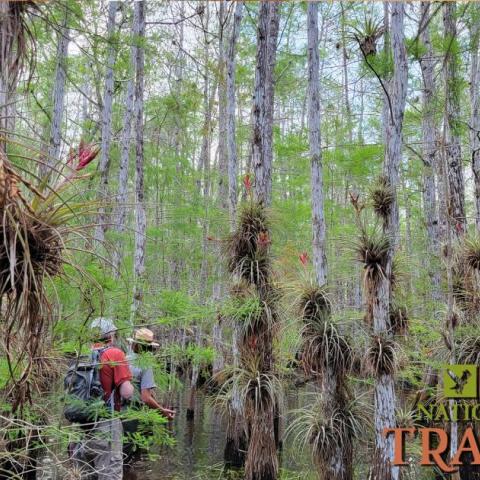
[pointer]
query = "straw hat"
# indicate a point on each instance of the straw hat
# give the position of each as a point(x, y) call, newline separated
point(143, 336)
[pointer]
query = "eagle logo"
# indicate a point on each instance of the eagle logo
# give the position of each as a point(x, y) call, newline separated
point(460, 381)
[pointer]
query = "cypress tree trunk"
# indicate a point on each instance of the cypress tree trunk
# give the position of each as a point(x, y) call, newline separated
point(267, 34)
point(261, 461)
point(58, 100)
point(140, 215)
point(236, 442)
point(475, 108)
point(429, 151)
point(385, 387)
point(456, 187)
point(106, 123)
point(222, 112)
point(318, 216)
point(231, 142)
point(125, 140)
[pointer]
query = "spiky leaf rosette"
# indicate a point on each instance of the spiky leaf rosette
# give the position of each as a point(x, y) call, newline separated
point(398, 318)
point(253, 311)
point(372, 248)
point(470, 252)
point(257, 389)
point(34, 245)
point(381, 356)
point(314, 304)
point(382, 196)
point(247, 249)
point(468, 351)
point(328, 430)
point(325, 348)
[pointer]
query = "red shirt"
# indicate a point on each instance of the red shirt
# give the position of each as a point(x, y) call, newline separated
point(114, 370)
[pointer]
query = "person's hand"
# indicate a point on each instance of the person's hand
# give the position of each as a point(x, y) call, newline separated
point(170, 414)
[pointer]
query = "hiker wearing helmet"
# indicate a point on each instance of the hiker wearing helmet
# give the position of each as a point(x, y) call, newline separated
point(102, 445)
point(142, 341)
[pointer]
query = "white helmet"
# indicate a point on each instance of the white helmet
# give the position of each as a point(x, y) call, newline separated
point(104, 325)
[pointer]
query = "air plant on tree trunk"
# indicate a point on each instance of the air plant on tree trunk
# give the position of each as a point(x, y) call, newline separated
point(17, 48)
point(249, 262)
point(331, 425)
point(34, 245)
point(466, 278)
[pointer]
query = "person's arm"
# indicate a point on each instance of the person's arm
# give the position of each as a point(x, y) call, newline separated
point(147, 384)
point(149, 399)
point(126, 390)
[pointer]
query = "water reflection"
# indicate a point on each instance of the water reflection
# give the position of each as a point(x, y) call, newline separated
point(198, 450)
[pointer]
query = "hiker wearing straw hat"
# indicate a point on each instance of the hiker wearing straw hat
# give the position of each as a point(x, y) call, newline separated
point(141, 342)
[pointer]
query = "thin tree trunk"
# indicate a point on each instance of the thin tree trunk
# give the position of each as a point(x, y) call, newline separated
point(267, 34)
point(262, 461)
point(222, 112)
point(385, 387)
point(58, 99)
point(429, 151)
point(231, 141)
point(140, 215)
point(475, 109)
point(318, 215)
point(217, 340)
point(125, 141)
point(456, 187)
point(346, 94)
point(106, 123)
point(194, 378)
point(205, 159)
point(235, 446)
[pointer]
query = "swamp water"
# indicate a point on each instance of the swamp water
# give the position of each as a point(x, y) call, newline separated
point(198, 450)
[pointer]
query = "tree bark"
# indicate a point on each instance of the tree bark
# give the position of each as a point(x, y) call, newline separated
point(261, 461)
point(456, 187)
point(234, 453)
point(318, 215)
point(140, 215)
point(267, 34)
point(231, 141)
point(58, 100)
point(222, 112)
point(429, 151)
point(384, 387)
point(122, 198)
point(106, 123)
point(475, 108)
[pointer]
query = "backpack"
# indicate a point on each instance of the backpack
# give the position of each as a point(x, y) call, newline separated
point(84, 391)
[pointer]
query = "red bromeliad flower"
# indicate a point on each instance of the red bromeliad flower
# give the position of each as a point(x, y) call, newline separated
point(303, 258)
point(263, 239)
point(86, 153)
point(247, 182)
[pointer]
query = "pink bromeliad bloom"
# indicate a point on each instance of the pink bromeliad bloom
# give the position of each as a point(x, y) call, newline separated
point(303, 258)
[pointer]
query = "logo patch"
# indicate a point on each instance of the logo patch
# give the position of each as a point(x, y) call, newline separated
point(460, 381)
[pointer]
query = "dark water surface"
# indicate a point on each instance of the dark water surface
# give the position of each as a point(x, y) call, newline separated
point(198, 450)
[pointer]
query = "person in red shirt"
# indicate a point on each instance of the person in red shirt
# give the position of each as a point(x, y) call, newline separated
point(103, 447)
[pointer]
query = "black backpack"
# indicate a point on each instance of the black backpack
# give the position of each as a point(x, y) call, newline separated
point(84, 392)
